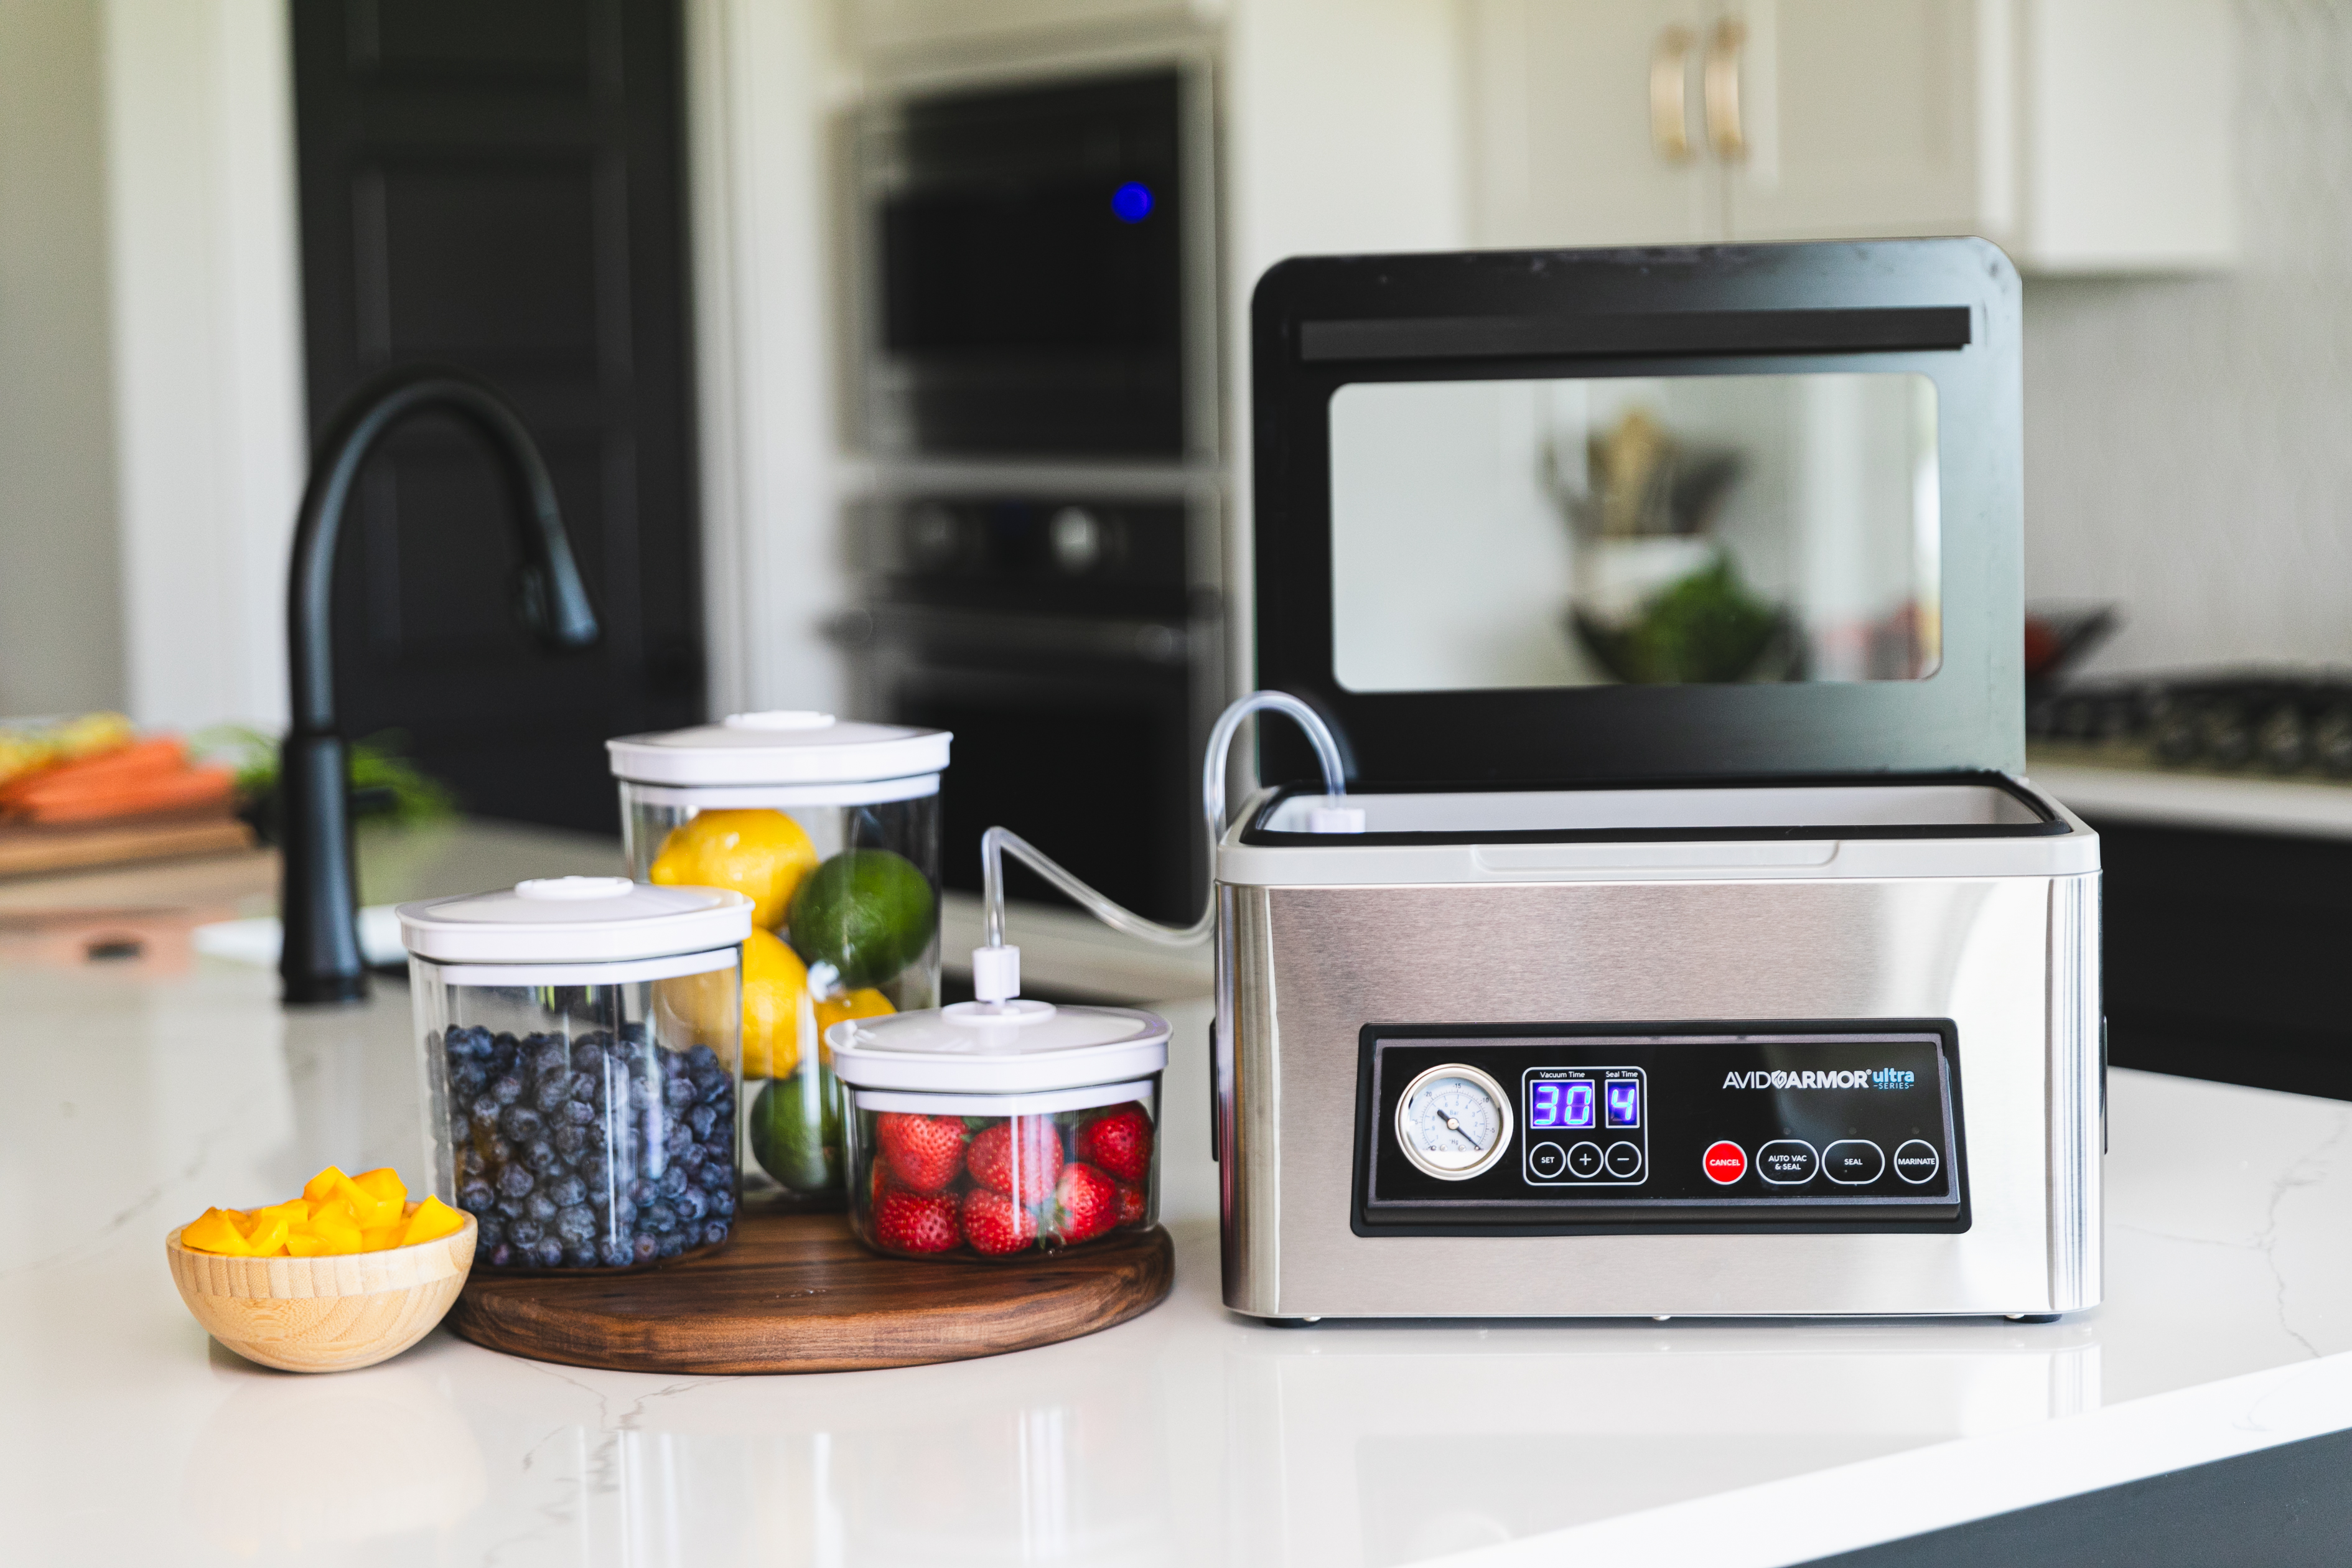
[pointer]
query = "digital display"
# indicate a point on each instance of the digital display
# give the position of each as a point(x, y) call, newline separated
point(1624, 1099)
point(1559, 1102)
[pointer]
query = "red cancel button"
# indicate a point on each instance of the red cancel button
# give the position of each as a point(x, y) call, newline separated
point(1725, 1162)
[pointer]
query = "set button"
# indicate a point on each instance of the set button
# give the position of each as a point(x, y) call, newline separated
point(1547, 1160)
point(1855, 1162)
point(1787, 1162)
point(1724, 1162)
point(1917, 1161)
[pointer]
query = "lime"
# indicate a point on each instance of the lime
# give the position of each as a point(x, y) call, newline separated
point(760, 854)
point(867, 913)
point(796, 1130)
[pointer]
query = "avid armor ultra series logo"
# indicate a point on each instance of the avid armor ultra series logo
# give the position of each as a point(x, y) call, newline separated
point(1876, 1078)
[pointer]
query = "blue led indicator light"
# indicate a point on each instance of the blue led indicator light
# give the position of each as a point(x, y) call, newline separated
point(1132, 202)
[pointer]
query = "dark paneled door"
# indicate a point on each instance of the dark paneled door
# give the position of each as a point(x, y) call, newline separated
point(501, 186)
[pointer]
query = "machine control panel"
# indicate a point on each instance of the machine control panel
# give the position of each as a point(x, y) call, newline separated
point(1577, 1127)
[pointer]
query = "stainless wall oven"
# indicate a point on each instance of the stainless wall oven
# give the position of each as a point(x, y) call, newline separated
point(1038, 388)
point(1033, 269)
point(1059, 638)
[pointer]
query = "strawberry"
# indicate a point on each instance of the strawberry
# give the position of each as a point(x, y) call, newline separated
point(995, 1225)
point(1086, 1203)
point(1119, 1141)
point(924, 1152)
point(1019, 1158)
point(1130, 1206)
point(916, 1222)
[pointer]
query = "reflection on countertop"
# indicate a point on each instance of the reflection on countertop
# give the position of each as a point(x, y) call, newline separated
point(1190, 1436)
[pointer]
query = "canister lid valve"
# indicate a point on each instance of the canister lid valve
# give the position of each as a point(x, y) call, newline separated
point(995, 973)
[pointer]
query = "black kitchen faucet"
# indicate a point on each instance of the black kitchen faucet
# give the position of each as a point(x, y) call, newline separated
point(318, 891)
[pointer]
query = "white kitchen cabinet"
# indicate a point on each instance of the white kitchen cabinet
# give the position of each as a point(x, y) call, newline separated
point(2082, 135)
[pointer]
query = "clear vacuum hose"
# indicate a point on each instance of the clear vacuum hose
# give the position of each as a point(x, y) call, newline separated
point(996, 967)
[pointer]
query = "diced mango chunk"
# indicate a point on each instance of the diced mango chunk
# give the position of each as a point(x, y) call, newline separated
point(336, 1213)
point(215, 1230)
point(433, 1220)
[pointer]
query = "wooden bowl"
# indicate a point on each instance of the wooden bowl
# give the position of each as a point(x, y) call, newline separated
point(323, 1314)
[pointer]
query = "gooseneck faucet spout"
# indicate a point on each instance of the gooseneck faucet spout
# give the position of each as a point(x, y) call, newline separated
point(318, 891)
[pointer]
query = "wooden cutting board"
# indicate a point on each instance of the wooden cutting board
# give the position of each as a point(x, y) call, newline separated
point(29, 851)
point(799, 1293)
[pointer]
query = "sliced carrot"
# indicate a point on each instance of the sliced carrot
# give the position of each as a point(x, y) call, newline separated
point(163, 755)
point(172, 792)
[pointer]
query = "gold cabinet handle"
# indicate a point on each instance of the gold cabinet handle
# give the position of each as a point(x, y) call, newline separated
point(1670, 96)
point(1725, 132)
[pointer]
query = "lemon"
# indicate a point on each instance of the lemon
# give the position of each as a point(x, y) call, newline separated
point(760, 854)
point(776, 1011)
point(865, 1004)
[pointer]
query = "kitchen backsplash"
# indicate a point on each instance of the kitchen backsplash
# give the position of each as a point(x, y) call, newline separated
point(2188, 441)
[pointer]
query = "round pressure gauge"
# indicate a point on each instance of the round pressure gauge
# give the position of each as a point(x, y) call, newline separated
point(1454, 1122)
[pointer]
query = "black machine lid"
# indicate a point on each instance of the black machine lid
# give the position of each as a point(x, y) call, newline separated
point(1729, 512)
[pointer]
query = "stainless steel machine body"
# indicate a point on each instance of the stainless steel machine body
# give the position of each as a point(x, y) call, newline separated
point(1999, 936)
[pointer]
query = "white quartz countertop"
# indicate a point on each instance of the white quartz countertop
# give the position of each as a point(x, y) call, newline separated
point(1190, 1436)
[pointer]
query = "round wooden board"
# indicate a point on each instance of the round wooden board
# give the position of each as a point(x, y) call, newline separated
point(800, 1293)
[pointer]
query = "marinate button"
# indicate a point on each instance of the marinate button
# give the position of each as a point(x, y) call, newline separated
point(1917, 1161)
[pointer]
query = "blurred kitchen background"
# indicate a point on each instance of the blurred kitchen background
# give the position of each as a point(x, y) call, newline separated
point(889, 355)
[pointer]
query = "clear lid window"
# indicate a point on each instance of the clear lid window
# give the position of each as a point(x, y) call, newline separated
point(1657, 529)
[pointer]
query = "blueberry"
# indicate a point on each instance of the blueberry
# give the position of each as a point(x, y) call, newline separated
point(642, 1248)
point(550, 1058)
point(485, 1114)
point(542, 1158)
point(571, 1143)
point(552, 1093)
point(639, 1096)
point(714, 1234)
point(469, 1163)
point(493, 1229)
point(592, 1165)
point(521, 1123)
point(476, 1197)
point(703, 1058)
point(692, 1206)
point(616, 1253)
point(575, 1224)
point(658, 1219)
point(577, 1113)
point(702, 1118)
point(624, 1216)
point(567, 1190)
point(497, 1150)
point(671, 1182)
point(500, 1256)
point(722, 1202)
point(669, 1245)
point(525, 1232)
point(642, 1190)
point(506, 1088)
point(678, 1093)
point(588, 1054)
point(514, 1208)
point(514, 1180)
point(539, 1207)
point(580, 1254)
point(549, 1253)
point(467, 1078)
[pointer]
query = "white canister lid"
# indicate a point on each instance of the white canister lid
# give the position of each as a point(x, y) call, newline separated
point(1017, 1047)
point(573, 920)
point(786, 747)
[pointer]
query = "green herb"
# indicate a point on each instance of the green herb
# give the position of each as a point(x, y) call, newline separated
point(395, 787)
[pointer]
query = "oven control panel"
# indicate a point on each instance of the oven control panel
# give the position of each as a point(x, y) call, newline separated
point(1643, 1127)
